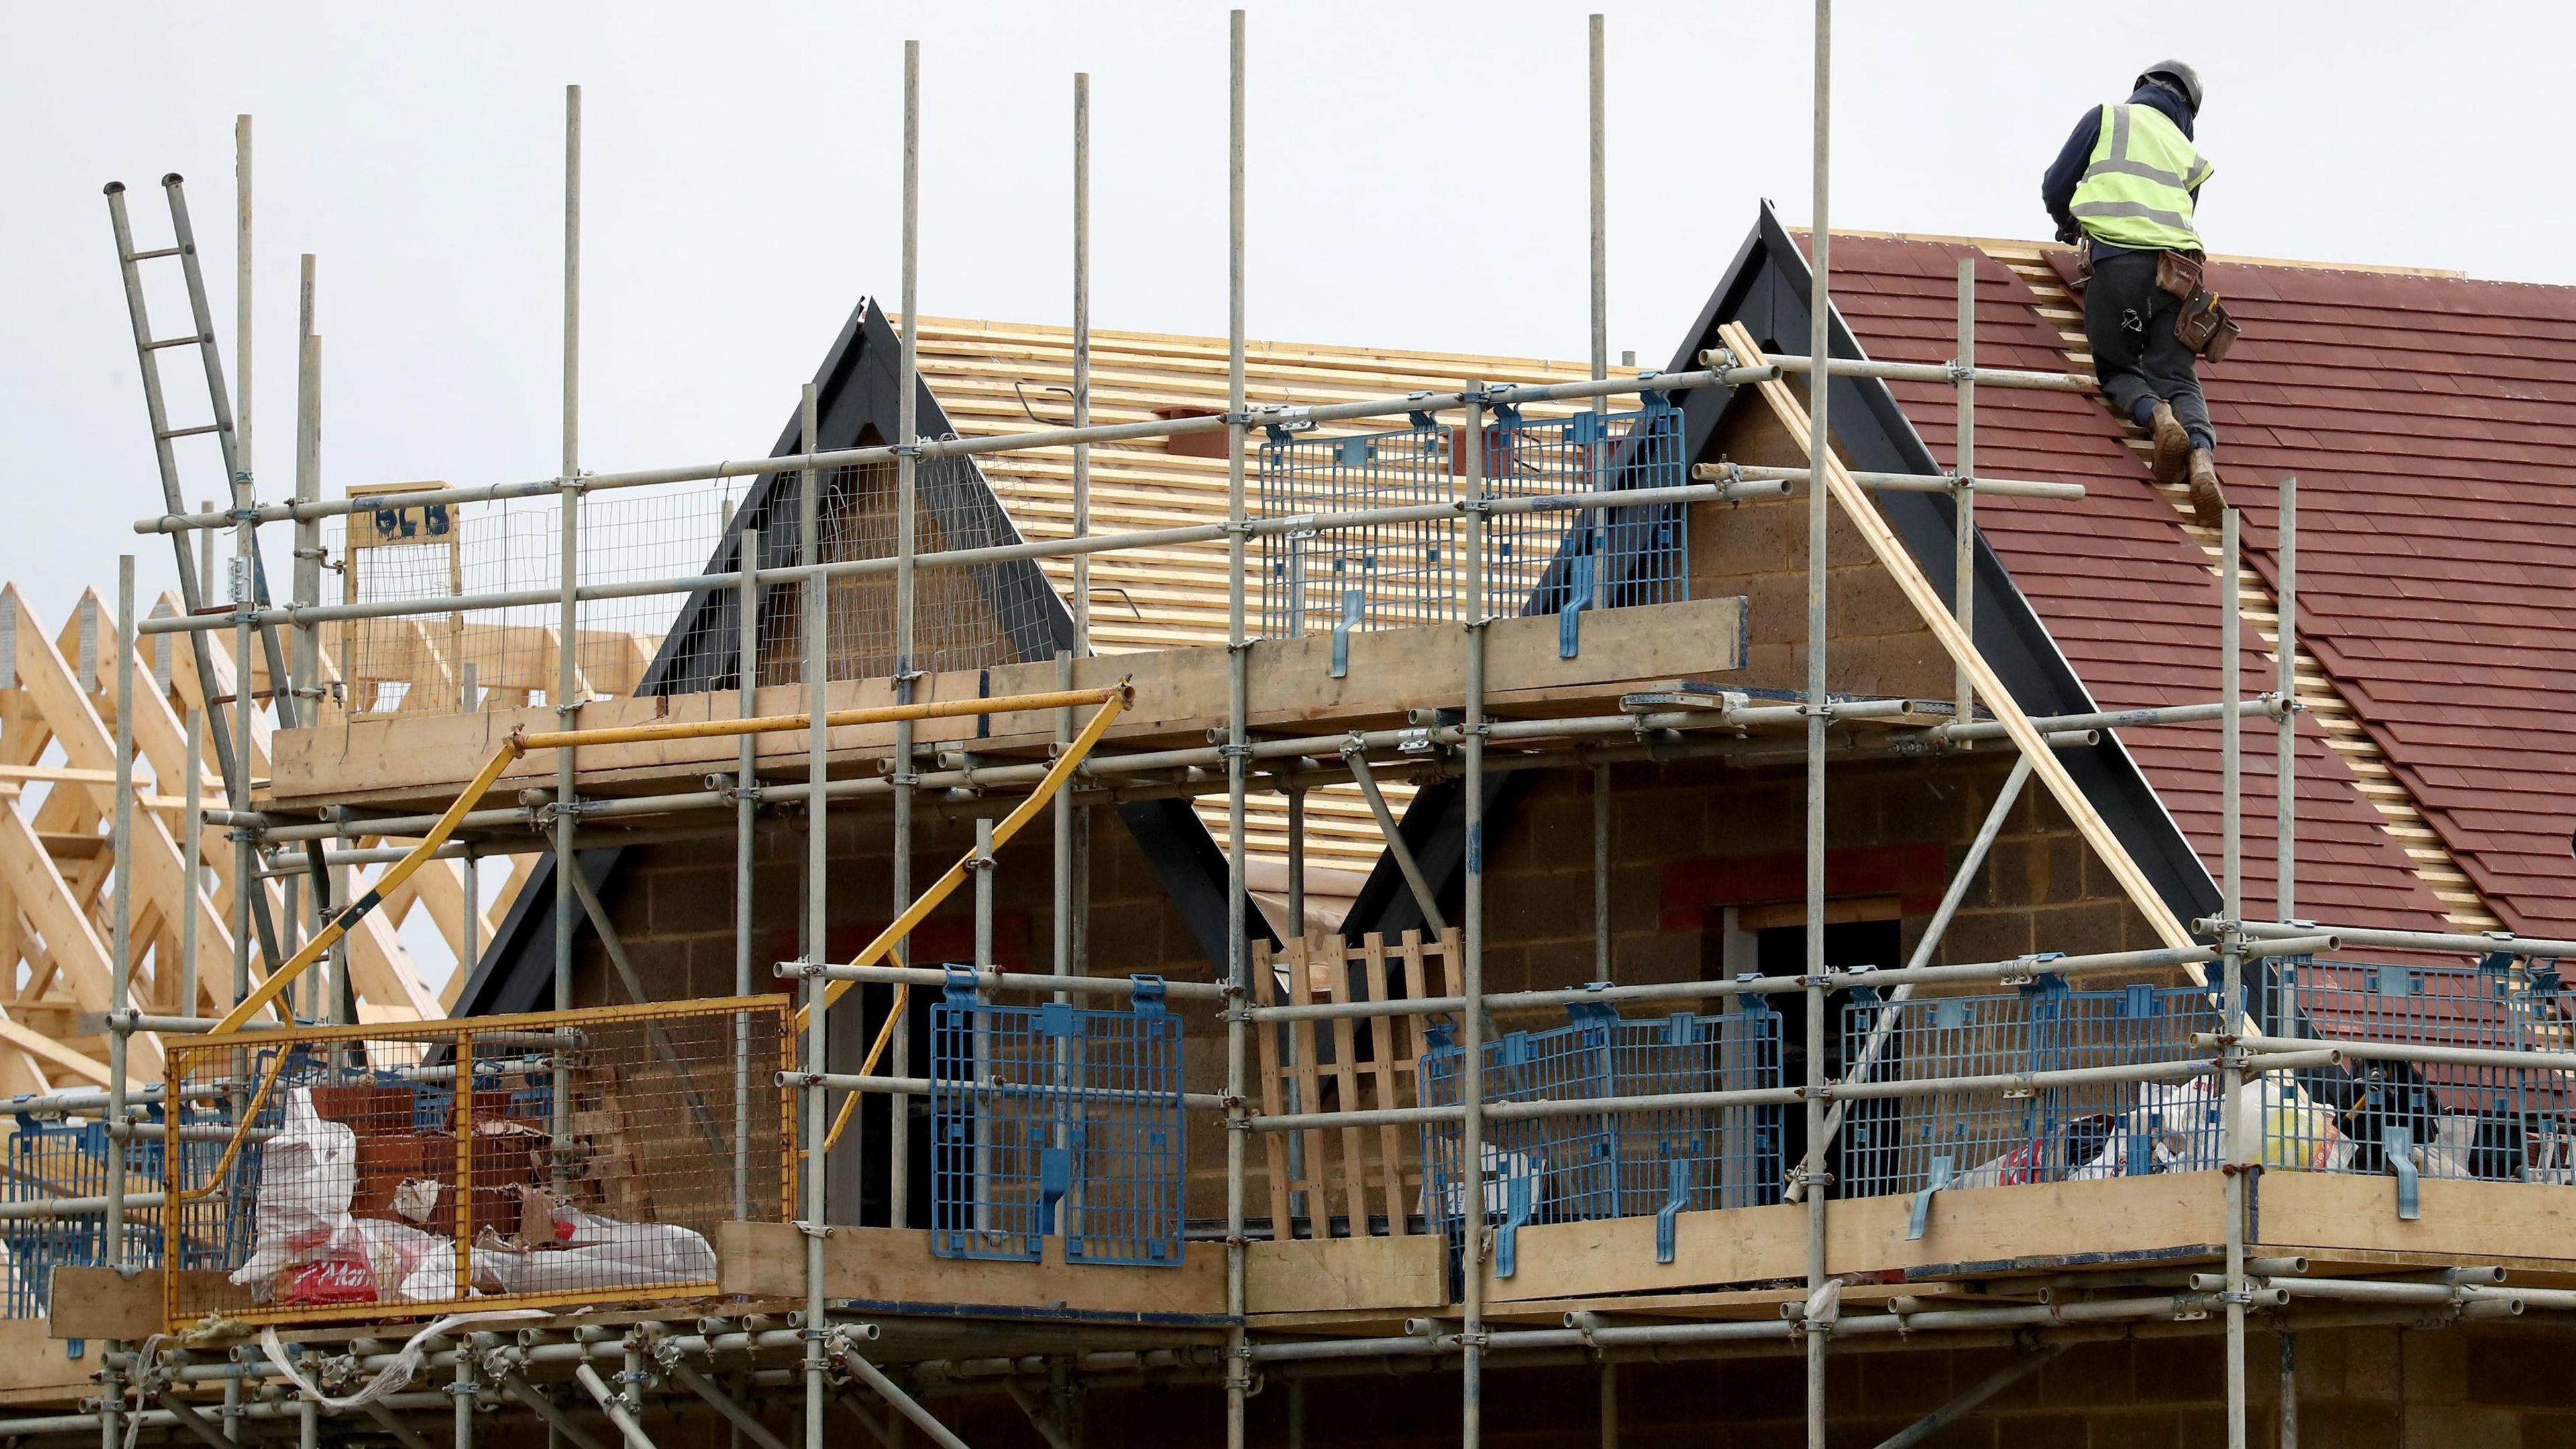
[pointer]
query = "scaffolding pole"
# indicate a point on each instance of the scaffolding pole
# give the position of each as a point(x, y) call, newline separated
point(746, 807)
point(1471, 971)
point(813, 1112)
point(121, 946)
point(1074, 904)
point(1081, 357)
point(1819, 518)
point(2285, 649)
point(1598, 72)
point(2231, 1081)
point(567, 806)
point(906, 602)
point(1963, 499)
point(308, 539)
point(1238, 955)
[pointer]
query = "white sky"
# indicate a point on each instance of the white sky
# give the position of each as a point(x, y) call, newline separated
point(1417, 179)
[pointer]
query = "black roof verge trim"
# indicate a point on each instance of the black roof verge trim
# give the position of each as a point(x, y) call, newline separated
point(1766, 288)
point(856, 397)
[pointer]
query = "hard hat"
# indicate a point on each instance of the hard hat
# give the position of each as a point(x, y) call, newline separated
point(2185, 79)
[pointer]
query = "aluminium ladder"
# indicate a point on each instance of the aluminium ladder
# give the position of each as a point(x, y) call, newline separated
point(251, 592)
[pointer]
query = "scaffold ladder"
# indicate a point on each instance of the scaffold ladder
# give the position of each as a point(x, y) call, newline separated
point(251, 592)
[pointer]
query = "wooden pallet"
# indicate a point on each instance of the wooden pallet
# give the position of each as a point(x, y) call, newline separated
point(1372, 1067)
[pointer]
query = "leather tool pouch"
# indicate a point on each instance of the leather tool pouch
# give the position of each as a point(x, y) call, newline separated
point(2178, 274)
point(2204, 326)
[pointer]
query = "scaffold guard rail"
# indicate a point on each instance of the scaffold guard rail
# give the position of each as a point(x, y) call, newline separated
point(1575, 1168)
point(541, 1160)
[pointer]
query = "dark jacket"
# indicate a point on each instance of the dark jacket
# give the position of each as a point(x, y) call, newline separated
point(2057, 188)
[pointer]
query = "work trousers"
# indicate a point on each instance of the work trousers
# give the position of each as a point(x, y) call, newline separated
point(2129, 320)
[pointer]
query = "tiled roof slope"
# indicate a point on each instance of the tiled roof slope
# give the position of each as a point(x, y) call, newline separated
point(2431, 423)
point(2332, 367)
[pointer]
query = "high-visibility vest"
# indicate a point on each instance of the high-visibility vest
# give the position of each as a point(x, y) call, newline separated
point(2136, 190)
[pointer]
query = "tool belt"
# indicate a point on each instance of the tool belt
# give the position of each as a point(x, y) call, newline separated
point(2203, 325)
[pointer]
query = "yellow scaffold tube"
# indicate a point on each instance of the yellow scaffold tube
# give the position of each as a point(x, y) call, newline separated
point(1021, 814)
point(522, 743)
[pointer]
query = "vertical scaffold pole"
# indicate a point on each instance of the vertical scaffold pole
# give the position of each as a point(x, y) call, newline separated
point(1600, 211)
point(308, 489)
point(1078, 871)
point(1238, 956)
point(816, 646)
point(241, 292)
point(746, 805)
point(121, 983)
point(1598, 520)
point(2288, 1438)
point(463, 1389)
point(907, 492)
point(1819, 450)
point(2232, 971)
point(191, 846)
point(2285, 781)
point(568, 563)
point(1601, 963)
point(245, 881)
point(1471, 969)
point(1609, 1406)
point(1060, 911)
point(1081, 358)
point(1963, 562)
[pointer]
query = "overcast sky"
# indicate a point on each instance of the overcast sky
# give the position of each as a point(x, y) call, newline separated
point(1417, 178)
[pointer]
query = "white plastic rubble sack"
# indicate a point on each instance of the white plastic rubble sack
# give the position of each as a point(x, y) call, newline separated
point(2550, 1155)
point(1507, 1175)
point(408, 1265)
point(305, 1248)
point(2179, 1124)
point(597, 1252)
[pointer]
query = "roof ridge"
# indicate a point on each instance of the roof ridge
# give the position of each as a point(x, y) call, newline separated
point(1377, 358)
point(1999, 246)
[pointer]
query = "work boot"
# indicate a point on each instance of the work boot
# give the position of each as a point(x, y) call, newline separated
point(2173, 445)
point(2207, 503)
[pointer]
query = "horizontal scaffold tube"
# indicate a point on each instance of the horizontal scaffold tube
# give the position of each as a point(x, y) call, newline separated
point(2373, 939)
point(1893, 482)
point(1282, 415)
point(995, 980)
point(1749, 1096)
point(2116, 1310)
point(1095, 543)
point(2390, 1051)
point(2158, 959)
point(1925, 372)
point(920, 1087)
point(2267, 706)
point(520, 743)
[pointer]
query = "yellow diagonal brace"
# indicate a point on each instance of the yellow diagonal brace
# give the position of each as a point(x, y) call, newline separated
point(1021, 814)
point(876, 1053)
point(354, 911)
point(522, 743)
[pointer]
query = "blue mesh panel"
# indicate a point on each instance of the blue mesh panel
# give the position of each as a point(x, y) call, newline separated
point(59, 1159)
point(1052, 1120)
point(1587, 1165)
point(1993, 1136)
point(2506, 1123)
point(1390, 575)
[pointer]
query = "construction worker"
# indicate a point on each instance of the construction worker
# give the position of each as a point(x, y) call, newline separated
point(2125, 186)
